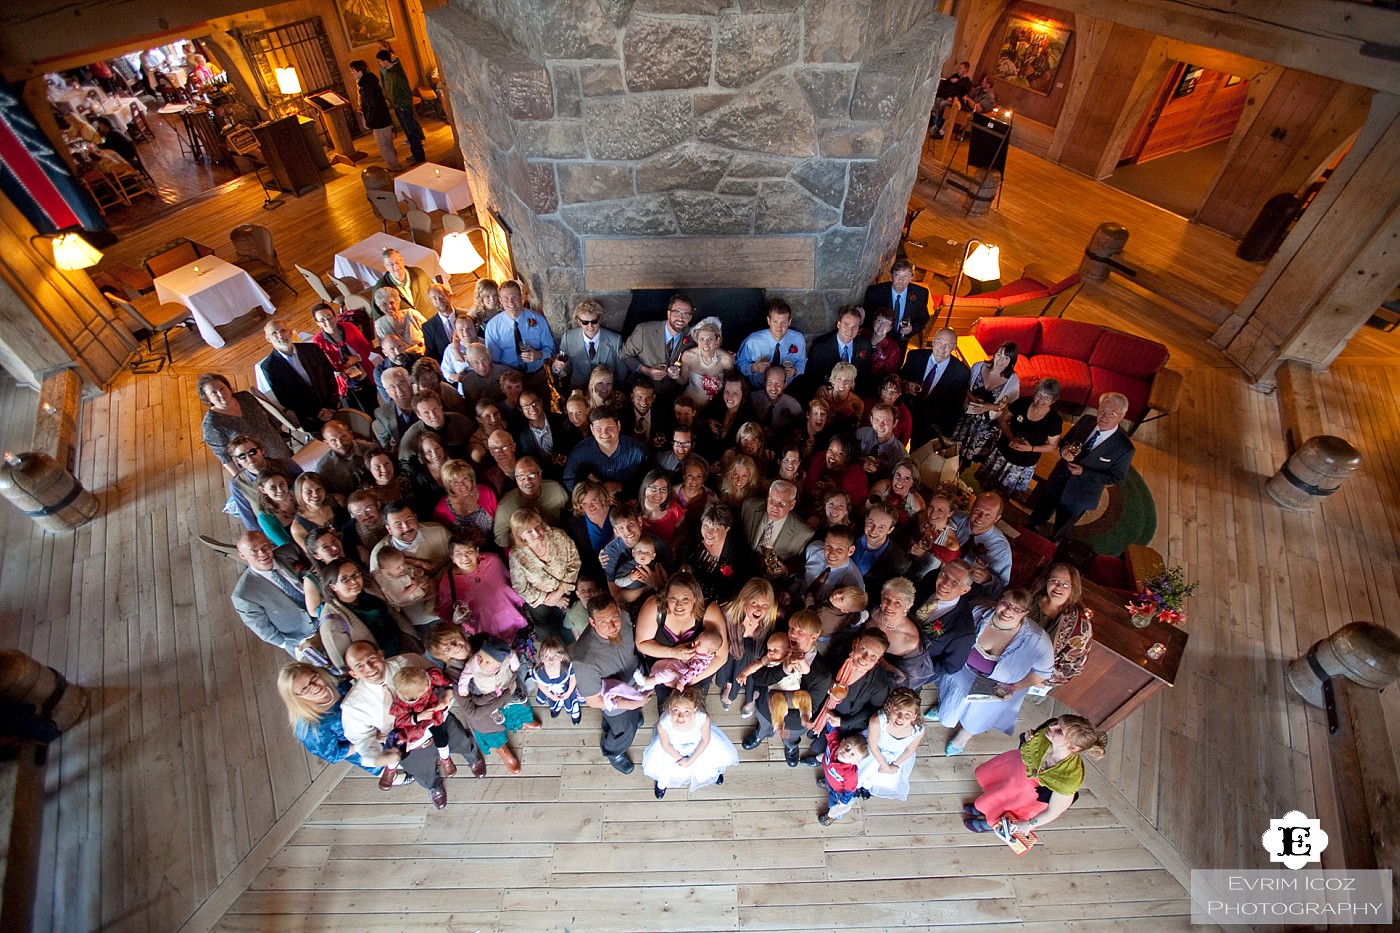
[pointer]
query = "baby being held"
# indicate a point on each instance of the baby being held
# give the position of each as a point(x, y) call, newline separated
point(676, 673)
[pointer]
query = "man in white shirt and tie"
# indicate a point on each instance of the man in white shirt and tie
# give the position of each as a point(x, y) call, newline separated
point(1093, 454)
point(909, 301)
point(588, 344)
point(936, 383)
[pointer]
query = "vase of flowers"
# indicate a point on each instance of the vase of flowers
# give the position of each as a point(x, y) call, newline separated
point(1163, 598)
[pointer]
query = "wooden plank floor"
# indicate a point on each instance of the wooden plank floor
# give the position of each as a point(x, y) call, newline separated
point(187, 763)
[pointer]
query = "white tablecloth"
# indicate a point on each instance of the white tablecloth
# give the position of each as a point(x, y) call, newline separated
point(435, 188)
point(365, 260)
point(220, 292)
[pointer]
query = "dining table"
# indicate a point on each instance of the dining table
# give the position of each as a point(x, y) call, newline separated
point(215, 291)
point(435, 188)
point(365, 260)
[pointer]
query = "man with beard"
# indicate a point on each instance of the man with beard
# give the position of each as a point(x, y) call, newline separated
point(342, 467)
point(984, 545)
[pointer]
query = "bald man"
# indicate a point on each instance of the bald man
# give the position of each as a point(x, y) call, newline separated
point(298, 376)
point(268, 597)
point(935, 382)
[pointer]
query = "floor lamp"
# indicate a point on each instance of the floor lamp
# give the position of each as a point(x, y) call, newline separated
point(459, 256)
point(981, 266)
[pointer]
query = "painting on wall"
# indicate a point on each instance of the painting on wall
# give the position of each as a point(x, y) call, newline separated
point(365, 21)
point(1030, 53)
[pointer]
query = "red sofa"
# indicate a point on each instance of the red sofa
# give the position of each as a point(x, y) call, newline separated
point(1034, 294)
point(1087, 359)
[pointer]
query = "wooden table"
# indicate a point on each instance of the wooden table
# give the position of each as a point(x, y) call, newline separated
point(1118, 676)
point(435, 188)
point(218, 293)
point(365, 260)
point(936, 255)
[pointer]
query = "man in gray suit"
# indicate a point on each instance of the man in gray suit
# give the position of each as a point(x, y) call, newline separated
point(588, 344)
point(654, 348)
point(771, 524)
point(268, 596)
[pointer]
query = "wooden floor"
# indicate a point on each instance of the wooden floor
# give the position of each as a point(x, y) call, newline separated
point(187, 765)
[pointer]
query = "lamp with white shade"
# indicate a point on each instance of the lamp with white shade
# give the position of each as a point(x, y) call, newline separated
point(980, 265)
point(72, 252)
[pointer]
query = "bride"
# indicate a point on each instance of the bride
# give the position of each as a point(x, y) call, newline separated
point(703, 366)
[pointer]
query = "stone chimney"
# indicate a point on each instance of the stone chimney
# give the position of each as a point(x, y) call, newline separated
point(693, 143)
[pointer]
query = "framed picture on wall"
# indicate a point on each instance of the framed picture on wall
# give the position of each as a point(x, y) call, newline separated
point(1190, 77)
point(365, 21)
point(1031, 52)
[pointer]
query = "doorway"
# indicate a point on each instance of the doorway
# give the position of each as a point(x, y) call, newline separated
point(1177, 148)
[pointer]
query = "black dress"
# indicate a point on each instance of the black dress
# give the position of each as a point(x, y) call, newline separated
point(720, 577)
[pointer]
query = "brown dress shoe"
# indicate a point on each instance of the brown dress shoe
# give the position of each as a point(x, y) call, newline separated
point(508, 759)
point(532, 725)
point(386, 778)
point(478, 767)
point(447, 767)
point(438, 794)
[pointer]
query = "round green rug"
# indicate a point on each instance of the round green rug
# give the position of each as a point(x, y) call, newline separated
point(1128, 517)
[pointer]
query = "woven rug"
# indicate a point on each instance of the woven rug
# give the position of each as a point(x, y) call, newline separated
point(1127, 515)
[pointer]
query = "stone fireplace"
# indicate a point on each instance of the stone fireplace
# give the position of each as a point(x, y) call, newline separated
point(693, 143)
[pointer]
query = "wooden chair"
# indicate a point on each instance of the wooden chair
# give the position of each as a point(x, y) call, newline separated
point(361, 424)
point(166, 318)
point(318, 284)
point(420, 226)
point(387, 207)
point(103, 191)
point(178, 252)
point(257, 255)
point(139, 126)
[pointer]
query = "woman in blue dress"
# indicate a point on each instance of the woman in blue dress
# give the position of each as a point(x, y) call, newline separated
point(312, 697)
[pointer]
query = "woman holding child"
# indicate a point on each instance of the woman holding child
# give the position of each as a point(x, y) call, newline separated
point(669, 624)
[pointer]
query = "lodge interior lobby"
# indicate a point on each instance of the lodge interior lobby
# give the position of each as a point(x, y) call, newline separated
point(182, 801)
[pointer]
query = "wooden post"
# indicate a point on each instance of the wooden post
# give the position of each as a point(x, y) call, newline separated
point(1365, 783)
point(1338, 263)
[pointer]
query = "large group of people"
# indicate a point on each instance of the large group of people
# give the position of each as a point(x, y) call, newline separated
point(587, 521)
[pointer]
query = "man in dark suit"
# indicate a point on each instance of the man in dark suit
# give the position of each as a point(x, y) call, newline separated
point(410, 282)
point(439, 320)
point(1094, 453)
point(268, 595)
point(299, 376)
point(842, 345)
point(909, 301)
point(547, 437)
point(943, 612)
point(936, 383)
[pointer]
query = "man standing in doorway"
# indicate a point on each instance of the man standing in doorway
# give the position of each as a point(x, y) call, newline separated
point(400, 96)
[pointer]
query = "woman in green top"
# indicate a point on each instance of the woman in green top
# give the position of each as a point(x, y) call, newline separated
point(1034, 784)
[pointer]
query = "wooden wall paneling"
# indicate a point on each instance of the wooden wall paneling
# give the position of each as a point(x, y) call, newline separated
point(1091, 45)
point(976, 22)
point(1253, 176)
point(1135, 69)
point(1356, 217)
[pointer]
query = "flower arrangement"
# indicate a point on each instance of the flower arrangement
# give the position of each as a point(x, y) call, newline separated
point(1163, 598)
point(959, 493)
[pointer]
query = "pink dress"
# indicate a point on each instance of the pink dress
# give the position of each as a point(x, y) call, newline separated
point(495, 606)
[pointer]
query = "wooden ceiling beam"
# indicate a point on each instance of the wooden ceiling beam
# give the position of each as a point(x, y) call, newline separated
point(1322, 38)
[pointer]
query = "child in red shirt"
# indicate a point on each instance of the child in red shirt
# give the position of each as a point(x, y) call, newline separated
point(839, 773)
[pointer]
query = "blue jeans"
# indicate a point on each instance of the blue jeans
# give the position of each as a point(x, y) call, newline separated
point(412, 132)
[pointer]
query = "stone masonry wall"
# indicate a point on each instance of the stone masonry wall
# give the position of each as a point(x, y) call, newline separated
point(676, 118)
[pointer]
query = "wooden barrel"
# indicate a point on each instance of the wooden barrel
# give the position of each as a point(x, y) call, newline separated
point(1106, 243)
point(1315, 470)
point(46, 492)
point(24, 680)
point(1361, 652)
